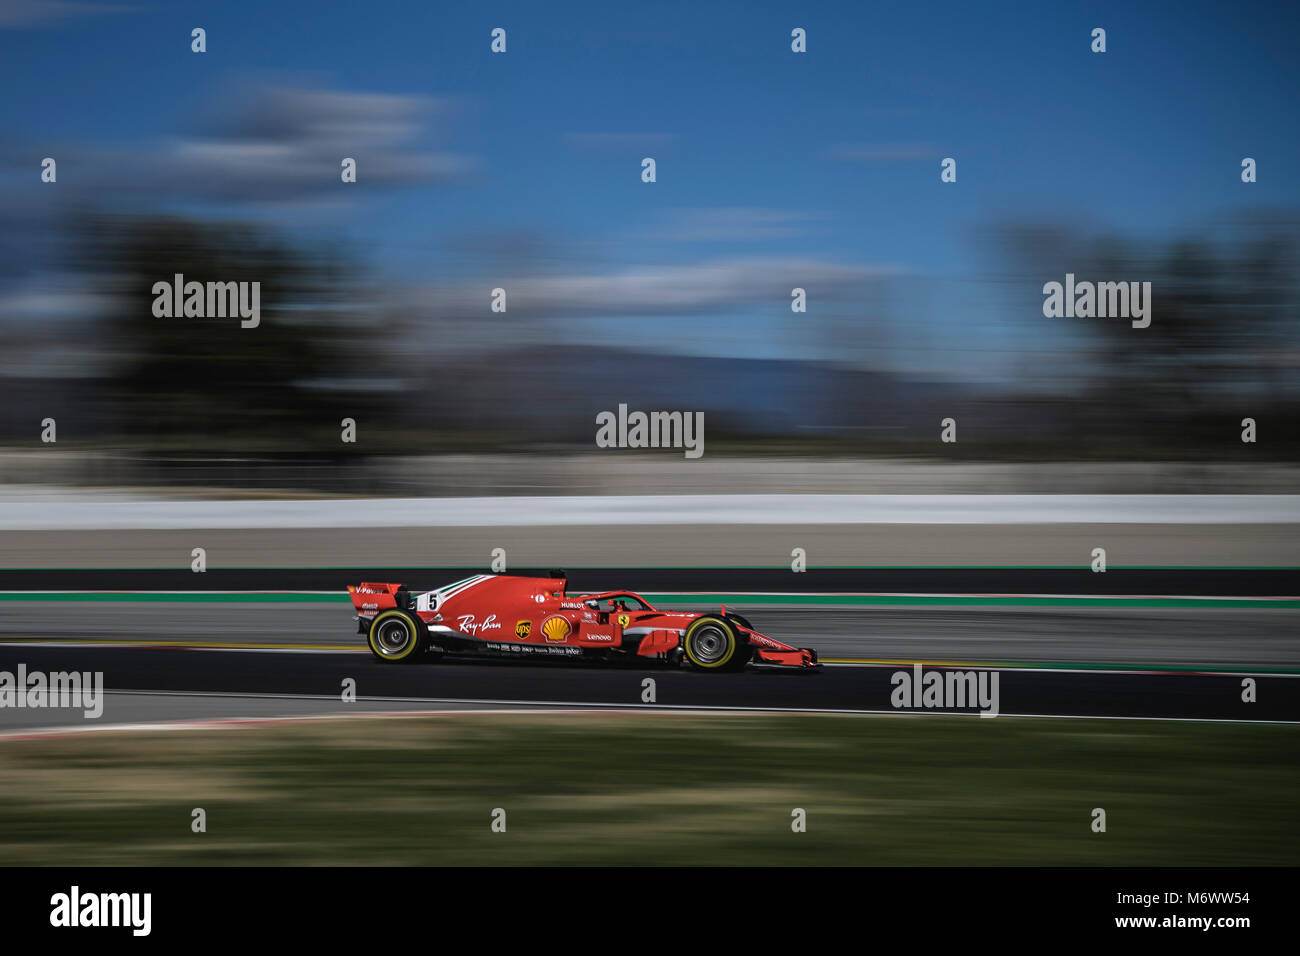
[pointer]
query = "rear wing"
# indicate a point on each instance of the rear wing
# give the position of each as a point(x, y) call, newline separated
point(370, 597)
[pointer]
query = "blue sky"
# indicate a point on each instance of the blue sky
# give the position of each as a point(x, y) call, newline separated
point(830, 157)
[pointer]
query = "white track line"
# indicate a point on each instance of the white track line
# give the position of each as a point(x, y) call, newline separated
point(517, 706)
point(1173, 671)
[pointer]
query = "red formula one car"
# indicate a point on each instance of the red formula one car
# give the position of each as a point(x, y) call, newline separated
point(508, 616)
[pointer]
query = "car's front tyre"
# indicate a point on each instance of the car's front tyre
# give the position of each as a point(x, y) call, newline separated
point(712, 644)
point(395, 636)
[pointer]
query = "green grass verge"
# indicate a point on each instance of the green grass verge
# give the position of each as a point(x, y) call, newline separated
point(659, 789)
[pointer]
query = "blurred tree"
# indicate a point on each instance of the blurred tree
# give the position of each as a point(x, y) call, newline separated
point(206, 383)
point(1222, 341)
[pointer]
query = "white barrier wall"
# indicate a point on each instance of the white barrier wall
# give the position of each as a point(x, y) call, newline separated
point(78, 512)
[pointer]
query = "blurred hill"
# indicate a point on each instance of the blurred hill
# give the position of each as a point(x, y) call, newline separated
point(202, 401)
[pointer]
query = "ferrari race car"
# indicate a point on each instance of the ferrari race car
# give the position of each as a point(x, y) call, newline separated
point(511, 616)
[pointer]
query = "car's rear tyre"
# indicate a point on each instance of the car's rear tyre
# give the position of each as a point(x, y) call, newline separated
point(712, 644)
point(395, 636)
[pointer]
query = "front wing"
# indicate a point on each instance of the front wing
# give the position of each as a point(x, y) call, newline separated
point(767, 650)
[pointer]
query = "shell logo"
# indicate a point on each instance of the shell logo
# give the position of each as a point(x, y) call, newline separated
point(556, 629)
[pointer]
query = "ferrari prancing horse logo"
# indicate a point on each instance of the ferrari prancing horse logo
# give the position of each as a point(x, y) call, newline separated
point(523, 629)
point(624, 620)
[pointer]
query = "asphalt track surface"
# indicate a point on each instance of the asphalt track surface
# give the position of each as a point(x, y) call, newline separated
point(198, 676)
point(1215, 637)
point(169, 662)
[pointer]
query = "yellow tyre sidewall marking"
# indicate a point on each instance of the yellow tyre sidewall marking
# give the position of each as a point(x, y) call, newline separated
point(726, 629)
point(374, 631)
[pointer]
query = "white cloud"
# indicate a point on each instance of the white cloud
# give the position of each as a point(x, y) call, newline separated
point(717, 286)
point(277, 145)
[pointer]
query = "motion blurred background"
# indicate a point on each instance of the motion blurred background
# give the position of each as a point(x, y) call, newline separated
point(522, 171)
point(775, 170)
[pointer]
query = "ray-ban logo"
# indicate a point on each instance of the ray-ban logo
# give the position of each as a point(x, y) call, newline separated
point(208, 300)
